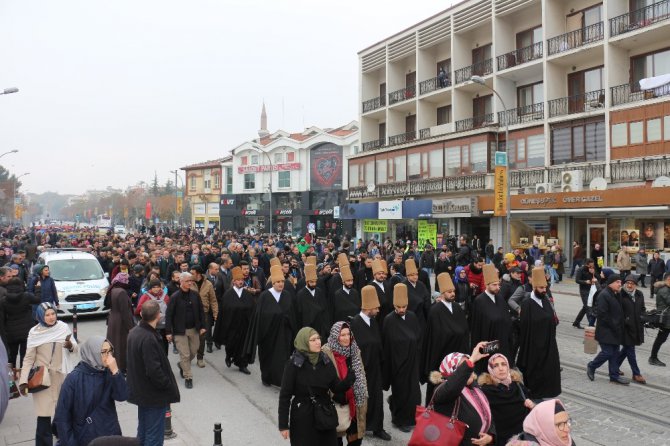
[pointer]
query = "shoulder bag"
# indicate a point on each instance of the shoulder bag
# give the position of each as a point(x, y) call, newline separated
point(325, 415)
point(433, 428)
point(343, 418)
point(38, 378)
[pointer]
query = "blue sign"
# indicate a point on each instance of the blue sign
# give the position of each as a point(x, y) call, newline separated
point(501, 159)
point(354, 211)
point(416, 208)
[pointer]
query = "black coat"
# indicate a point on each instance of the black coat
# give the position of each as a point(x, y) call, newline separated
point(507, 406)
point(18, 312)
point(150, 379)
point(609, 329)
point(369, 340)
point(633, 308)
point(175, 315)
point(584, 280)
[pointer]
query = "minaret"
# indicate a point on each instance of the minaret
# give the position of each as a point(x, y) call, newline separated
point(263, 132)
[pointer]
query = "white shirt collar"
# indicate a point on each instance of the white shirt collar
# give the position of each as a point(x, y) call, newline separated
point(492, 296)
point(449, 305)
point(275, 294)
point(365, 318)
point(380, 284)
point(238, 291)
point(312, 292)
point(346, 290)
point(535, 298)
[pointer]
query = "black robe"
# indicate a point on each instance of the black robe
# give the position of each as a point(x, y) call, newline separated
point(385, 301)
point(272, 329)
point(419, 301)
point(491, 322)
point(401, 366)
point(312, 311)
point(446, 332)
point(363, 277)
point(345, 306)
point(369, 340)
point(232, 324)
point(538, 351)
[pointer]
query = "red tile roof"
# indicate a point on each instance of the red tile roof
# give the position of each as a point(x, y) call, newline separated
point(209, 163)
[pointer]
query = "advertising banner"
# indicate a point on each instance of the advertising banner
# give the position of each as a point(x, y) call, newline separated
point(427, 233)
point(391, 210)
point(147, 211)
point(370, 225)
point(326, 167)
point(500, 192)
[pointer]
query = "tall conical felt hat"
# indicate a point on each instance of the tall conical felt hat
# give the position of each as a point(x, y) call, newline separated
point(490, 274)
point(345, 273)
point(275, 262)
point(539, 278)
point(237, 273)
point(385, 266)
point(445, 283)
point(369, 299)
point(310, 260)
point(342, 260)
point(400, 295)
point(377, 267)
point(310, 272)
point(410, 267)
point(276, 274)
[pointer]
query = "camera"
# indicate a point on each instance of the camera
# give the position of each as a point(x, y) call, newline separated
point(490, 348)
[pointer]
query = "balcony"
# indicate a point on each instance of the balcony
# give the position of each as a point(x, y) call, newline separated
point(402, 138)
point(480, 69)
point(575, 39)
point(424, 133)
point(526, 177)
point(520, 56)
point(529, 113)
point(374, 104)
point(624, 94)
point(474, 123)
point(356, 193)
point(433, 84)
point(589, 101)
point(402, 95)
point(394, 189)
point(591, 171)
point(374, 144)
point(647, 169)
point(640, 18)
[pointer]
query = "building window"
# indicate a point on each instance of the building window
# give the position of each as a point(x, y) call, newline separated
point(229, 180)
point(453, 161)
point(279, 158)
point(216, 181)
point(193, 181)
point(444, 115)
point(399, 168)
point(528, 95)
point(244, 160)
point(535, 150)
point(353, 175)
point(414, 166)
point(249, 181)
point(578, 141)
point(382, 175)
point(368, 173)
point(654, 130)
point(636, 136)
point(649, 65)
point(290, 157)
point(207, 183)
point(254, 159)
point(435, 163)
point(619, 135)
point(666, 128)
point(478, 156)
point(284, 178)
point(529, 37)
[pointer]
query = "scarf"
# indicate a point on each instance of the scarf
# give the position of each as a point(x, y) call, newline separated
point(540, 424)
point(508, 379)
point(90, 352)
point(360, 385)
point(41, 310)
point(301, 344)
point(40, 335)
point(458, 277)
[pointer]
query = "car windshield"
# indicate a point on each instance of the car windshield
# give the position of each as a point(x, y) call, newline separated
point(75, 269)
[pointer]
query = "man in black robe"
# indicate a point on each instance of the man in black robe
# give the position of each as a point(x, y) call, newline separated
point(538, 353)
point(272, 329)
point(365, 330)
point(364, 275)
point(446, 331)
point(383, 289)
point(335, 282)
point(490, 317)
point(311, 305)
point(347, 300)
point(235, 312)
point(400, 335)
point(418, 293)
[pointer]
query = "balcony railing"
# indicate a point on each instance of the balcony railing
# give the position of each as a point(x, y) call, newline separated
point(402, 138)
point(402, 94)
point(374, 104)
point(575, 39)
point(520, 56)
point(640, 18)
point(526, 177)
point(647, 169)
point(474, 123)
point(623, 94)
point(433, 84)
point(589, 101)
point(374, 144)
point(356, 193)
point(529, 113)
point(424, 133)
point(480, 69)
point(591, 171)
point(426, 186)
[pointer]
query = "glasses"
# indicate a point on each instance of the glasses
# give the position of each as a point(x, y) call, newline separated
point(564, 424)
point(107, 352)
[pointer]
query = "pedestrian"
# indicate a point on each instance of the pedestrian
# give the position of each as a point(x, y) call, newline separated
point(475, 276)
point(151, 385)
point(609, 331)
point(427, 260)
point(662, 304)
point(42, 285)
point(120, 319)
point(641, 265)
point(548, 424)
point(577, 257)
point(489, 251)
point(184, 324)
point(418, 294)
point(463, 291)
point(156, 292)
point(632, 302)
point(89, 393)
point(210, 308)
point(50, 344)
point(623, 262)
point(656, 269)
point(341, 348)
point(308, 377)
point(311, 305)
point(346, 301)
point(586, 278)
point(17, 307)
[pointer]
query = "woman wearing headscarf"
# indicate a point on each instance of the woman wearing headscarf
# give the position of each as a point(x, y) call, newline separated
point(549, 424)
point(86, 408)
point(49, 345)
point(463, 290)
point(508, 397)
point(309, 374)
point(457, 382)
point(120, 319)
point(156, 292)
point(342, 347)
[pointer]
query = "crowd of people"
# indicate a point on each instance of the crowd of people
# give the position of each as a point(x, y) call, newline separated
point(331, 321)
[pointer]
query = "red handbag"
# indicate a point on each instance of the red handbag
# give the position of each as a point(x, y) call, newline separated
point(433, 428)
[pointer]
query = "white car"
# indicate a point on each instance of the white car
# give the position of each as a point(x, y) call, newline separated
point(120, 230)
point(80, 281)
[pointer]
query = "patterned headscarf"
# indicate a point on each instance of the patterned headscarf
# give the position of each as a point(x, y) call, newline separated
point(120, 278)
point(41, 311)
point(450, 363)
point(360, 386)
point(508, 380)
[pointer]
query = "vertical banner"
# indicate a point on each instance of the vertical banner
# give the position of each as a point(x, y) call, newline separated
point(326, 167)
point(427, 232)
point(500, 192)
point(147, 212)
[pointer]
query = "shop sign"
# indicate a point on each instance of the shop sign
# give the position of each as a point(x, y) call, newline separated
point(199, 208)
point(249, 212)
point(500, 192)
point(284, 212)
point(391, 210)
point(268, 168)
point(213, 208)
point(452, 206)
point(427, 233)
point(372, 225)
point(228, 202)
point(323, 212)
point(336, 212)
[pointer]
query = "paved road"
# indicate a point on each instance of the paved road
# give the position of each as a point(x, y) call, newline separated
point(604, 414)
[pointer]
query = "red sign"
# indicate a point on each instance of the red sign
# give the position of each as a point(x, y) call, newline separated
point(268, 168)
point(283, 211)
point(249, 212)
point(323, 212)
point(147, 212)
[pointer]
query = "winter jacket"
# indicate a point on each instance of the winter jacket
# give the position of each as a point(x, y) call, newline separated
point(45, 289)
point(207, 297)
point(583, 278)
point(656, 268)
point(610, 326)
point(18, 310)
point(428, 259)
point(662, 295)
point(623, 261)
point(641, 263)
point(175, 316)
point(86, 406)
point(633, 327)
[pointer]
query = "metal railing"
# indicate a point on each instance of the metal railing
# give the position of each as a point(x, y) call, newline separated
point(424, 133)
point(474, 123)
point(426, 186)
point(374, 104)
point(647, 169)
point(466, 182)
point(359, 192)
point(526, 177)
point(529, 113)
point(402, 94)
point(433, 84)
point(589, 101)
point(402, 138)
point(591, 171)
point(480, 69)
point(575, 39)
point(374, 144)
point(640, 18)
point(623, 94)
point(520, 56)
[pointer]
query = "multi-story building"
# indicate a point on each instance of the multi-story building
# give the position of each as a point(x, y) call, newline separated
point(292, 182)
point(586, 141)
point(202, 191)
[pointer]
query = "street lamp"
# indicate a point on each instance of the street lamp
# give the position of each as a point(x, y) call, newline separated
point(9, 90)
point(270, 184)
point(14, 194)
point(176, 193)
point(508, 245)
point(7, 153)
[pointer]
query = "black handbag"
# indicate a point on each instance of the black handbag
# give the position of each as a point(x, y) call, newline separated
point(325, 414)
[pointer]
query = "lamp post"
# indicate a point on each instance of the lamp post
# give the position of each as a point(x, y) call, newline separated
point(14, 194)
point(9, 90)
point(176, 194)
point(269, 184)
point(7, 153)
point(508, 243)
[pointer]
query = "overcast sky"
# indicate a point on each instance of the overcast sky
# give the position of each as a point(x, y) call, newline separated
point(111, 91)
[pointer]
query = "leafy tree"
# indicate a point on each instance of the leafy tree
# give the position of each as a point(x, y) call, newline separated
point(155, 189)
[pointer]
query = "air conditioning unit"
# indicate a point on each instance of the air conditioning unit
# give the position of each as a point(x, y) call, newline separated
point(544, 188)
point(572, 181)
point(529, 190)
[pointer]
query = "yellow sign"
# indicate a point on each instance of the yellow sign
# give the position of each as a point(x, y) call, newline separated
point(500, 192)
point(180, 207)
point(370, 225)
point(427, 233)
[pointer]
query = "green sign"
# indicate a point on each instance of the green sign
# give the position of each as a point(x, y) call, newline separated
point(501, 159)
point(427, 233)
point(371, 225)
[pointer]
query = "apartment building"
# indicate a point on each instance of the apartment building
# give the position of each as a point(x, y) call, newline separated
point(203, 190)
point(588, 148)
